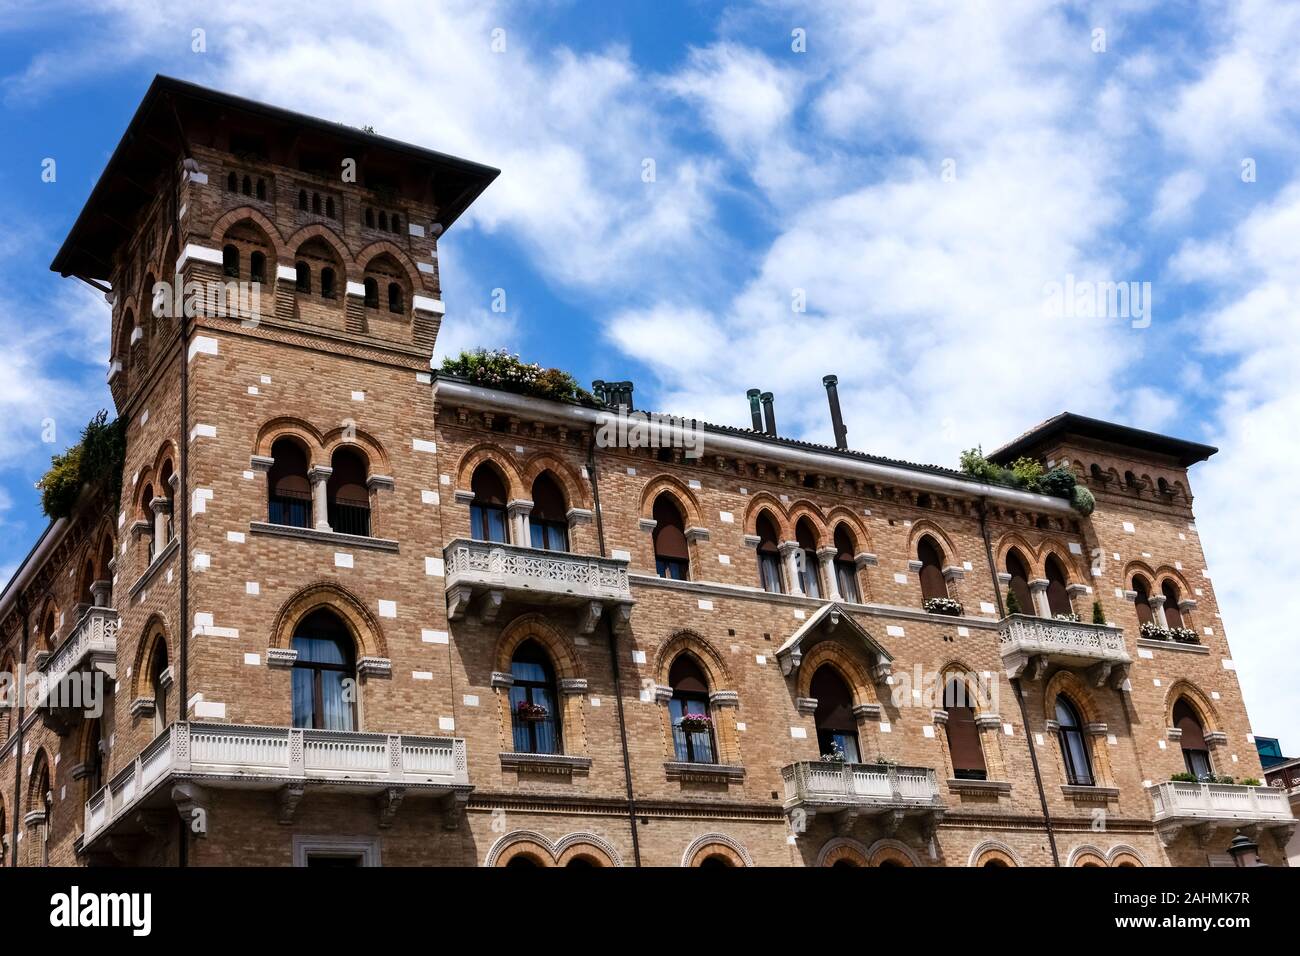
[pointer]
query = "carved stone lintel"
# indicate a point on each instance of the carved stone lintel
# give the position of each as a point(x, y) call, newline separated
point(261, 463)
point(389, 800)
point(142, 707)
point(1215, 738)
point(988, 721)
point(939, 717)
point(865, 559)
point(287, 799)
point(1174, 733)
point(663, 693)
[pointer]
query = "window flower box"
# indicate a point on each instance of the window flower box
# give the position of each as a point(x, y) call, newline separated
point(1154, 632)
point(534, 713)
point(695, 723)
point(945, 606)
point(1184, 635)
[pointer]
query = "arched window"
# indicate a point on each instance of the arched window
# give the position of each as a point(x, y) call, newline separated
point(963, 734)
point(395, 298)
point(769, 554)
point(1058, 598)
point(809, 579)
point(230, 262)
point(1173, 616)
point(327, 283)
point(397, 223)
point(257, 267)
point(302, 199)
point(548, 525)
point(370, 218)
point(846, 568)
point(288, 486)
point(261, 189)
point(42, 799)
point(158, 681)
point(248, 186)
point(1074, 745)
point(487, 512)
point(49, 628)
point(533, 712)
point(315, 203)
point(302, 281)
point(1196, 753)
point(329, 207)
point(837, 729)
point(931, 558)
point(232, 183)
point(672, 559)
point(689, 712)
point(324, 673)
point(1142, 601)
point(1019, 583)
point(383, 221)
point(95, 756)
point(349, 501)
point(372, 293)
point(1098, 475)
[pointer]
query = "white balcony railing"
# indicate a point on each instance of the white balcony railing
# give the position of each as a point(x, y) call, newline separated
point(1224, 804)
point(232, 755)
point(93, 643)
point(475, 568)
point(821, 785)
point(1029, 643)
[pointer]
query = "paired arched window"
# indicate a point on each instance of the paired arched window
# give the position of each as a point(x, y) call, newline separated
point(1019, 583)
point(534, 713)
point(289, 491)
point(837, 728)
point(1142, 601)
point(809, 579)
point(346, 493)
point(1196, 752)
point(487, 512)
point(1173, 615)
point(157, 680)
point(963, 733)
point(548, 526)
point(769, 553)
point(1074, 744)
point(846, 569)
point(688, 710)
point(931, 558)
point(672, 560)
point(1058, 597)
point(324, 673)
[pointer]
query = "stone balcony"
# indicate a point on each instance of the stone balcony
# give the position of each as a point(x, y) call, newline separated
point(850, 790)
point(1029, 644)
point(68, 675)
point(1206, 807)
point(188, 759)
point(485, 574)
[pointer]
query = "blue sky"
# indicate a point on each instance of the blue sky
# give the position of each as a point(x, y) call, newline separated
point(918, 173)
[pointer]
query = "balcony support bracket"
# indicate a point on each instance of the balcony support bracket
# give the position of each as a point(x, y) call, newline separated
point(287, 799)
point(389, 800)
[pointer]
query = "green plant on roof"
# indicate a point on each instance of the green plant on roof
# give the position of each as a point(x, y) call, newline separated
point(1027, 474)
point(497, 368)
point(95, 462)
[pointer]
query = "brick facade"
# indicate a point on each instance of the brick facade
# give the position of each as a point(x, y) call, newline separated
point(344, 374)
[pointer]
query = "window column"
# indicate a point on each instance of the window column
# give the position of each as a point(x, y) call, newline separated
point(319, 478)
point(826, 557)
point(1157, 602)
point(1038, 593)
point(162, 508)
point(790, 555)
point(519, 512)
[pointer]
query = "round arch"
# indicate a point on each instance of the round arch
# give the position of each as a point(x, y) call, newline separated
point(575, 491)
point(356, 439)
point(241, 214)
point(535, 627)
point(892, 851)
point(1122, 854)
point(686, 500)
point(497, 458)
point(993, 852)
point(850, 669)
point(690, 642)
point(385, 247)
point(843, 850)
point(520, 843)
point(716, 844)
point(927, 528)
point(1086, 855)
point(586, 844)
point(1184, 689)
point(331, 238)
point(297, 429)
point(803, 508)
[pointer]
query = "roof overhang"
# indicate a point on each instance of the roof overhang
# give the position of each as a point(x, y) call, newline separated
point(1069, 424)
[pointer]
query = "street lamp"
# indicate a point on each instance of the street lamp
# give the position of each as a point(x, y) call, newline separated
point(1244, 851)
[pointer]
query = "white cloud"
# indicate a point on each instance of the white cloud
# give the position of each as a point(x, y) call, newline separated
point(1176, 197)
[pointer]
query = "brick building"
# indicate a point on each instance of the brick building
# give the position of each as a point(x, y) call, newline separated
point(350, 611)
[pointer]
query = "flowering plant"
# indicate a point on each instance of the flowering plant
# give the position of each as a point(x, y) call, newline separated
point(1154, 632)
point(498, 368)
point(531, 712)
point(942, 606)
point(1184, 635)
point(836, 754)
point(695, 723)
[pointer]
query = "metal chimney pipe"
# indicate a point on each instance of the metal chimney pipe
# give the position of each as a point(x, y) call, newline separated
point(837, 419)
point(769, 414)
point(755, 412)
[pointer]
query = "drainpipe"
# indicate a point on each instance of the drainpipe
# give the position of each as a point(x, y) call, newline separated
point(613, 657)
point(23, 609)
point(1015, 686)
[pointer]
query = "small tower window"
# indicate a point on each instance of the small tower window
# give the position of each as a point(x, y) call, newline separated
point(302, 199)
point(395, 298)
point(372, 293)
point(261, 189)
point(232, 183)
point(304, 277)
point(397, 223)
point(248, 186)
point(327, 283)
point(257, 267)
point(230, 261)
point(383, 221)
point(329, 207)
point(315, 203)
point(370, 219)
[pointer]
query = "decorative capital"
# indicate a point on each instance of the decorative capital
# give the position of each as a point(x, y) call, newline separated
point(281, 656)
point(502, 679)
point(647, 524)
point(261, 463)
point(380, 481)
point(1038, 584)
point(697, 534)
point(806, 705)
point(318, 473)
point(374, 667)
point(573, 685)
point(724, 698)
point(865, 559)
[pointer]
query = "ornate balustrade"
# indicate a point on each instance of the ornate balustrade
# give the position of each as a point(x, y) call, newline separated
point(89, 651)
point(1205, 807)
point(848, 790)
point(1029, 644)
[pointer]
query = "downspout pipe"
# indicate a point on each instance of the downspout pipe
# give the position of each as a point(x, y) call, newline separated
point(613, 658)
point(24, 610)
point(1015, 686)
